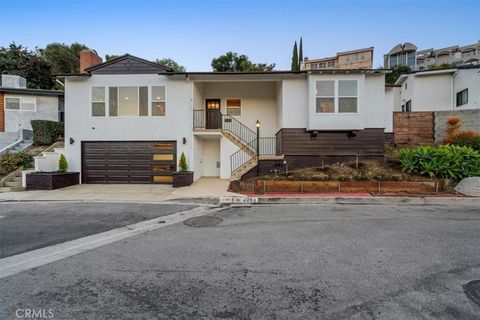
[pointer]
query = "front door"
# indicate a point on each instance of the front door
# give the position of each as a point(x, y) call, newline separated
point(213, 118)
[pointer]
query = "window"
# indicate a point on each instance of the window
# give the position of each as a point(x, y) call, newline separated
point(158, 101)
point(347, 96)
point(408, 106)
point(336, 96)
point(325, 96)
point(98, 101)
point(234, 107)
point(20, 104)
point(127, 101)
point(462, 97)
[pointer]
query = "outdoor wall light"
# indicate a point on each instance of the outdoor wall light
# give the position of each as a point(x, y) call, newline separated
point(352, 134)
point(72, 141)
point(184, 140)
point(257, 124)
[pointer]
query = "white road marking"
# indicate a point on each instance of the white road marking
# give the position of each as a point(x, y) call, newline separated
point(36, 258)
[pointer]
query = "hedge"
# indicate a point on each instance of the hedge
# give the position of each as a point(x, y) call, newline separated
point(46, 132)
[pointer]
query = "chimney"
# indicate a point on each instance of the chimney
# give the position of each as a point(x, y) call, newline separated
point(88, 58)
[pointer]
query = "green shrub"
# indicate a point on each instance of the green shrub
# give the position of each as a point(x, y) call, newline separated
point(183, 163)
point(12, 160)
point(445, 161)
point(46, 132)
point(320, 177)
point(468, 141)
point(62, 164)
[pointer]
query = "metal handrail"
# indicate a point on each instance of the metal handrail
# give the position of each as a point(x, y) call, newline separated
point(267, 147)
point(238, 129)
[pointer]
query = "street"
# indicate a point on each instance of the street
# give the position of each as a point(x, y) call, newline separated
point(267, 262)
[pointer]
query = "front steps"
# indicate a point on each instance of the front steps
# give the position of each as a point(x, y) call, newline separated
point(12, 182)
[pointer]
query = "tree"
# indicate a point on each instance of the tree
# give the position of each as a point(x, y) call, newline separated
point(300, 54)
point(63, 58)
point(29, 64)
point(171, 64)
point(294, 66)
point(233, 62)
point(397, 71)
point(109, 57)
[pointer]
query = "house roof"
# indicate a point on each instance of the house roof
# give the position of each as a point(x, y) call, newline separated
point(126, 63)
point(278, 73)
point(37, 92)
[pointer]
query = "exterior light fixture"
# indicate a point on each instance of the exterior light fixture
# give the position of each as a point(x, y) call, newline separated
point(184, 140)
point(72, 141)
point(257, 124)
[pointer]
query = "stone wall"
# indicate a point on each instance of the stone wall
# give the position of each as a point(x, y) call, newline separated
point(470, 121)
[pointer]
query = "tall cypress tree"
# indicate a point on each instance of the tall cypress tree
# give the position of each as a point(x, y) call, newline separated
point(300, 54)
point(295, 58)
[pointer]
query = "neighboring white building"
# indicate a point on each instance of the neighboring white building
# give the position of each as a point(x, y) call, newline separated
point(438, 90)
point(129, 120)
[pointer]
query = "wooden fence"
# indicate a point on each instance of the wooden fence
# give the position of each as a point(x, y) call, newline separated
point(413, 128)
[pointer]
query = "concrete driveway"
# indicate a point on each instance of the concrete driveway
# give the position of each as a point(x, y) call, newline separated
point(272, 262)
point(204, 187)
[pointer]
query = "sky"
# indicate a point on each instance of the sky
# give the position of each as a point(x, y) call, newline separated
point(194, 32)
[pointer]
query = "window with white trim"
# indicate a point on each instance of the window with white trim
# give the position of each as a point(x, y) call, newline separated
point(462, 97)
point(158, 101)
point(234, 107)
point(98, 101)
point(20, 104)
point(336, 96)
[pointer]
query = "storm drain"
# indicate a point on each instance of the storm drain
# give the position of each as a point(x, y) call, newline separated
point(472, 290)
point(202, 221)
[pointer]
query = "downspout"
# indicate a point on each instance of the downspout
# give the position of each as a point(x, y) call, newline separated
point(453, 89)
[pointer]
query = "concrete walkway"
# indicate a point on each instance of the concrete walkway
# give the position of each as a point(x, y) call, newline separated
point(204, 187)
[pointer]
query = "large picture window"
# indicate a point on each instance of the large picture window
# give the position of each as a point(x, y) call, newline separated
point(336, 96)
point(98, 101)
point(20, 104)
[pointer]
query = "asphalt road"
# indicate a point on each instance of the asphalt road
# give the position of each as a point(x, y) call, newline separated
point(27, 226)
point(276, 262)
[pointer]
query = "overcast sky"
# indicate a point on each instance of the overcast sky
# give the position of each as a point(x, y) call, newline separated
point(193, 32)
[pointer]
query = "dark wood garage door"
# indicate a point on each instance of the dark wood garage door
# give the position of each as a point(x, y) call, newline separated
point(128, 161)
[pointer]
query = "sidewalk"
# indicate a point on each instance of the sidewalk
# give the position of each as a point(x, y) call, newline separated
point(202, 188)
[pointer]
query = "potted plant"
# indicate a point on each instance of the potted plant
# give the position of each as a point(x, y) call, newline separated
point(53, 180)
point(183, 177)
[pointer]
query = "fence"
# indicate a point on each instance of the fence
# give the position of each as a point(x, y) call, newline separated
point(413, 128)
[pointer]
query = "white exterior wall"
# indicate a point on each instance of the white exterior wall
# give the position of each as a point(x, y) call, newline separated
point(468, 79)
point(432, 93)
point(370, 99)
point(227, 148)
point(258, 101)
point(295, 103)
point(81, 126)
point(46, 109)
point(392, 104)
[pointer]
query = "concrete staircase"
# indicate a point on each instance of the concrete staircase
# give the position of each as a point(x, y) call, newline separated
point(12, 182)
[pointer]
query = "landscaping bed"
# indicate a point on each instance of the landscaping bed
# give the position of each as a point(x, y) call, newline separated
point(374, 176)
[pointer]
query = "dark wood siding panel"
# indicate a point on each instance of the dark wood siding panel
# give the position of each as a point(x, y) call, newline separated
point(129, 66)
point(301, 142)
point(123, 162)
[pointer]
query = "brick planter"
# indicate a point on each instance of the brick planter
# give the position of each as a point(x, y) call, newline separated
point(182, 179)
point(51, 180)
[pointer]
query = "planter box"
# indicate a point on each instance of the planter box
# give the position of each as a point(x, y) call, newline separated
point(51, 180)
point(182, 179)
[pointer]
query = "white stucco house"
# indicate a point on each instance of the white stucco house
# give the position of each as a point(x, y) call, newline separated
point(128, 120)
point(437, 90)
point(19, 105)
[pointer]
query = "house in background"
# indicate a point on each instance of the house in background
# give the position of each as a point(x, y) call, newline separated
point(19, 105)
point(128, 120)
point(354, 59)
point(406, 54)
point(438, 90)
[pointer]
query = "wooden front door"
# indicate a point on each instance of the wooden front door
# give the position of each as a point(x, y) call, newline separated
point(213, 118)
